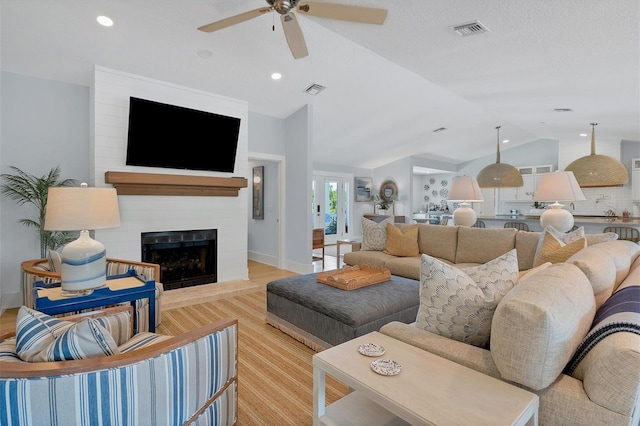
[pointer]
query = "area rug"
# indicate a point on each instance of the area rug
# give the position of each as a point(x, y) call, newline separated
point(275, 373)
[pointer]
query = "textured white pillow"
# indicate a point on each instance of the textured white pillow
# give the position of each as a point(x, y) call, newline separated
point(460, 304)
point(374, 234)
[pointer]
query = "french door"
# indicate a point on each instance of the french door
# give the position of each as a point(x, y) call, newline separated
point(331, 206)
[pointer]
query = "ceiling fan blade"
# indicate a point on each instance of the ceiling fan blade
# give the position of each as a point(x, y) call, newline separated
point(293, 33)
point(364, 14)
point(227, 22)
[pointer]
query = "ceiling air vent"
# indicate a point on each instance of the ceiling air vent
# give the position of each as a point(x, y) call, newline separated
point(314, 89)
point(470, 29)
point(563, 109)
point(439, 129)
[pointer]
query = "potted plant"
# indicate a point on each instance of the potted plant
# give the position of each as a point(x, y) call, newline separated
point(29, 189)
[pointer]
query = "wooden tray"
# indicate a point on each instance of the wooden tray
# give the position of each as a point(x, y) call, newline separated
point(353, 277)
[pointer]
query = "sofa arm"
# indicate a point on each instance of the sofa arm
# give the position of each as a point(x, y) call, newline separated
point(146, 386)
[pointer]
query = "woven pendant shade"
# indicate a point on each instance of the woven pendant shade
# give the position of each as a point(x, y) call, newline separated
point(598, 170)
point(499, 175)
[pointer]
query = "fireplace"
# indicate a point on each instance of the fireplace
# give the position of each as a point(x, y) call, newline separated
point(186, 258)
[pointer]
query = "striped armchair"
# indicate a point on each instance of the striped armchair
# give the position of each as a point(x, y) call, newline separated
point(155, 380)
point(39, 270)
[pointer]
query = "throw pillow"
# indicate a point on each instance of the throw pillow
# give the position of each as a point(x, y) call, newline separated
point(55, 261)
point(374, 234)
point(41, 338)
point(402, 242)
point(601, 238)
point(460, 304)
point(554, 250)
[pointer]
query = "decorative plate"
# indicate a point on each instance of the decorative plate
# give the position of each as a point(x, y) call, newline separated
point(444, 182)
point(434, 193)
point(386, 367)
point(371, 349)
point(432, 181)
point(426, 198)
point(426, 187)
point(444, 192)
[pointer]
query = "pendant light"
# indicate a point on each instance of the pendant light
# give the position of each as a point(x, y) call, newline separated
point(499, 175)
point(598, 170)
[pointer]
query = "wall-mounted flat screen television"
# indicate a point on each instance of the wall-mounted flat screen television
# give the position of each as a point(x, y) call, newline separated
point(169, 136)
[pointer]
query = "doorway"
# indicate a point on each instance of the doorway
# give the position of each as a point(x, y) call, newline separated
point(331, 205)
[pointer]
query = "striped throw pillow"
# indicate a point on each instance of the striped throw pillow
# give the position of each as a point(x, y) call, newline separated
point(42, 338)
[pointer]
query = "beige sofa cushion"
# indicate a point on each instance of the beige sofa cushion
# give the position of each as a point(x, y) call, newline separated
point(402, 241)
point(367, 257)
point(480, 245)
point(599, 268)
point(539, 324)
point(438, 241)
point(459, 304)
point(526, 245)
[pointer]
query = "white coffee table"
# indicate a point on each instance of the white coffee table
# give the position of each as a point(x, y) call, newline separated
point(428, 390)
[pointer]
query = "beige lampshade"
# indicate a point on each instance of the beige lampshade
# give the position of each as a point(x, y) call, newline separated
point(499, 175)
point(558, 186)
point(466, 189)
point(73, 208)
point(598, 170)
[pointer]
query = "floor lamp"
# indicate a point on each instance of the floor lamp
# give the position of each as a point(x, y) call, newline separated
point(558, 186)
point(465, 189)
point(84, 264)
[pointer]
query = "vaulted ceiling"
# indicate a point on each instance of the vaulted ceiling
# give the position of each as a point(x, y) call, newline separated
point(388, 87)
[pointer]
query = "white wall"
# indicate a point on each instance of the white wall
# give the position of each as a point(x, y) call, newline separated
point(263, 233)
point(110, 102)
point(44, 124)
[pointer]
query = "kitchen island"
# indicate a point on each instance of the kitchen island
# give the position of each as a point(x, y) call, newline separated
point(592, 224)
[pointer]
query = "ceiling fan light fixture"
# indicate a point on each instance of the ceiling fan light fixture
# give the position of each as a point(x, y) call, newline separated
point(598, 170)
point(499, 175)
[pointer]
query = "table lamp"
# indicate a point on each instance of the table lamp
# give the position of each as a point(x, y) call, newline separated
point(84, 260)
point(558, 186)
point(465, 189)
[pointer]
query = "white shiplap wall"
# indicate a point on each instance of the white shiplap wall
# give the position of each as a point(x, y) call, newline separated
point(109, 116)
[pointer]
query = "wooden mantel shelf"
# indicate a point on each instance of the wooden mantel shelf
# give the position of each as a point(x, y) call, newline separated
point(128, 183)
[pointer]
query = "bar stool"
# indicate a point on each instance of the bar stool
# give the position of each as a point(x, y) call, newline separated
point(624, 232)
point(479, 224)
point(517, 225)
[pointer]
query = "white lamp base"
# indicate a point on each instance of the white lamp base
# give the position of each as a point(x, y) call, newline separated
point(556, 216)
point(464, 215)
point(84, 266)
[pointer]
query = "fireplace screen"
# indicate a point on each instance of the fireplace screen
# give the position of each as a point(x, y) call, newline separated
point(186, 258)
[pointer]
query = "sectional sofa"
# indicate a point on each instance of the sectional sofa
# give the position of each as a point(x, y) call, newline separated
point(542, 323)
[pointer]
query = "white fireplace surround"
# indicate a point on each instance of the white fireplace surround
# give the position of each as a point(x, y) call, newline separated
point(148, 213)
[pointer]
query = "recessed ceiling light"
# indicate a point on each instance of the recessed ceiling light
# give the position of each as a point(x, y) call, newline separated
point(105, 21)
point(505, 141)
point(584, 135)
point(204, 53)
point(276, 76)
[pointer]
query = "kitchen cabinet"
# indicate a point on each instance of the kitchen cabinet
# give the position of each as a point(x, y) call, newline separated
point(635, 179)
point(530, 178)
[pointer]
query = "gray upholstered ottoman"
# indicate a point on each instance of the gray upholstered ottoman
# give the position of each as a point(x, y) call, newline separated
point(321, 316)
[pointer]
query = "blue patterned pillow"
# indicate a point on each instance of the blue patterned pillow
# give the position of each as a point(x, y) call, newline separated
point(41, 338)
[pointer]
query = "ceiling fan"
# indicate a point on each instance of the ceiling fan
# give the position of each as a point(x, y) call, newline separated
point(292, 30)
